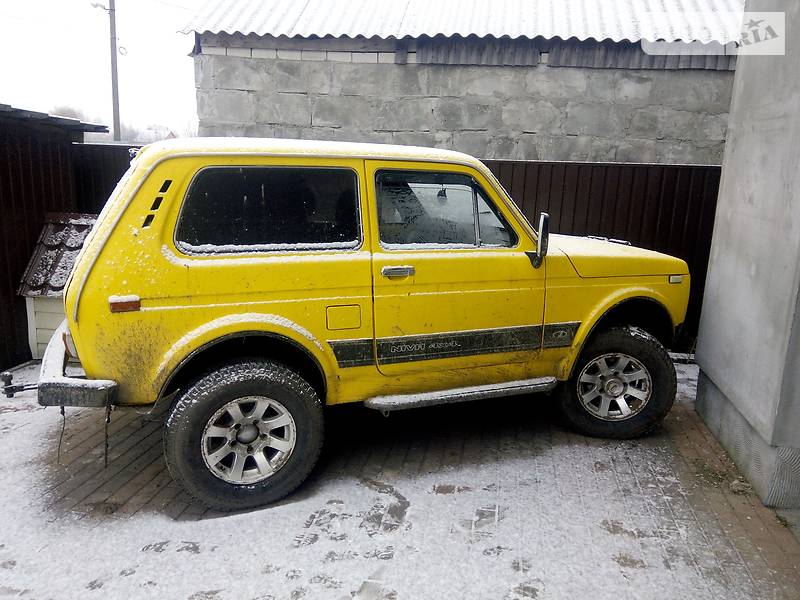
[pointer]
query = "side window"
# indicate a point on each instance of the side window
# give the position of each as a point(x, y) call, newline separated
point(252, 209)
point(439, 209)
point(494, 231)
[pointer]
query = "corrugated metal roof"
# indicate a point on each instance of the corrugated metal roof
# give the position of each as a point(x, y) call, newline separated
point(629, 55)
point(477, 51)
point(562, 53)
point(634, 20)
point(21, 114)
point(55, 253)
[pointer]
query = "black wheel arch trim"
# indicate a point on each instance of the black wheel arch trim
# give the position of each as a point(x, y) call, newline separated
point(593, 329)
point(185, 361)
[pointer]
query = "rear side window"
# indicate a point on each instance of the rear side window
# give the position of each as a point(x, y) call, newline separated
point(254, 209)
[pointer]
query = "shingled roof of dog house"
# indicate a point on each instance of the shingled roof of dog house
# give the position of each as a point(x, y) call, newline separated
point(47, 272)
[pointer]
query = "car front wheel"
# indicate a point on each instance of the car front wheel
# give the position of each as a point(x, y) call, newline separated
point(244, 435)
point(622, 386)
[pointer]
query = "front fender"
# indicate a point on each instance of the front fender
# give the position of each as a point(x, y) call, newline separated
point(671, 298)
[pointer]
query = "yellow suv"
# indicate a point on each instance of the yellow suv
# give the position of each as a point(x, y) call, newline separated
point(248, 283)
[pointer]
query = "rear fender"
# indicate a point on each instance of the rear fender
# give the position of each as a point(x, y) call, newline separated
point(247, 323)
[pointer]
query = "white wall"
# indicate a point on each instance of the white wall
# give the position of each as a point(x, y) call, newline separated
point(44, 316)
point(749, 341)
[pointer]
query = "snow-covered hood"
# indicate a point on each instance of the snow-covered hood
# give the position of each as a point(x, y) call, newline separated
point(601, 258)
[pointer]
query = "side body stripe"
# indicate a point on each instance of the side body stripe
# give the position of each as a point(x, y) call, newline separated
point(408, 348)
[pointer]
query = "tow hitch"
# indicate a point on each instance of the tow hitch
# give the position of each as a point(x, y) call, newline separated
point(9, 389)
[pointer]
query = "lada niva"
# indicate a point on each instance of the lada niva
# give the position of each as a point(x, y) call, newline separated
point(247, 284)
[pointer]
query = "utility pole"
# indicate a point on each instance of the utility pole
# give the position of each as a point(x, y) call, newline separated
point(112, 17)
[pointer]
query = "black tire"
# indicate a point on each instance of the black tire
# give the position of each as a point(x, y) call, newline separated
point(648, 351)
point(183, 433)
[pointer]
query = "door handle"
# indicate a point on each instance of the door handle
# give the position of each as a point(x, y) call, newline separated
point(397, 271)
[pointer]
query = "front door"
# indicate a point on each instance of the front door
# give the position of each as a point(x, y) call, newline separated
point(453, 288)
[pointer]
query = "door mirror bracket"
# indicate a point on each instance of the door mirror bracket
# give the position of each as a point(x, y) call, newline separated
point(537, 257)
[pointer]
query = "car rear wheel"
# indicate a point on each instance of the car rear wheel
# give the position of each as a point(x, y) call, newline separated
point(244, 435)
point(622, 386)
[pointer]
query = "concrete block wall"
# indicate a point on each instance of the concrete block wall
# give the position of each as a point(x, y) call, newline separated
point(489, 111)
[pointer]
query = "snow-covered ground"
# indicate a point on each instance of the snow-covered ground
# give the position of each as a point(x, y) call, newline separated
point(489, 499)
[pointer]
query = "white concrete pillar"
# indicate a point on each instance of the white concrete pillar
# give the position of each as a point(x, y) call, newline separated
point(749, 343)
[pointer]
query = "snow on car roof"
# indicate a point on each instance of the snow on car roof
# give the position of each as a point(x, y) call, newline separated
point(282, 147)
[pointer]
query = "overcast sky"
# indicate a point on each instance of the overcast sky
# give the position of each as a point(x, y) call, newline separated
point(56, 53)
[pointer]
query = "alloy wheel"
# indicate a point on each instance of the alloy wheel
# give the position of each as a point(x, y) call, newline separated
point(614, 387)
point(248, 439)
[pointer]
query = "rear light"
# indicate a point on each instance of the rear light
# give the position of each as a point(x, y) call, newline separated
point(69, 344)
point(124, 303)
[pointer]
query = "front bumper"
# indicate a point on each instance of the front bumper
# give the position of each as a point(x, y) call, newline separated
point(56, 389)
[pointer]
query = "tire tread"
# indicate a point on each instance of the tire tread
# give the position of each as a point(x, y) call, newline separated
point(620, 337)
point(178, 422)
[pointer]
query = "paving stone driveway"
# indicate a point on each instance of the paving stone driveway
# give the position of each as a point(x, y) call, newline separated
point(489, 499)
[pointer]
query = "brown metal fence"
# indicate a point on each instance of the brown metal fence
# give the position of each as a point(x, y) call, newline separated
point(42, 169)
point(668, 208)
point(97, 169)
point(35, 178)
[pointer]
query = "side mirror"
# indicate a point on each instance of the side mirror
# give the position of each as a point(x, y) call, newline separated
point(544, 237)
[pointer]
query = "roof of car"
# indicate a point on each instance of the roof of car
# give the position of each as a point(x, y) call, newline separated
point(280, 147)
